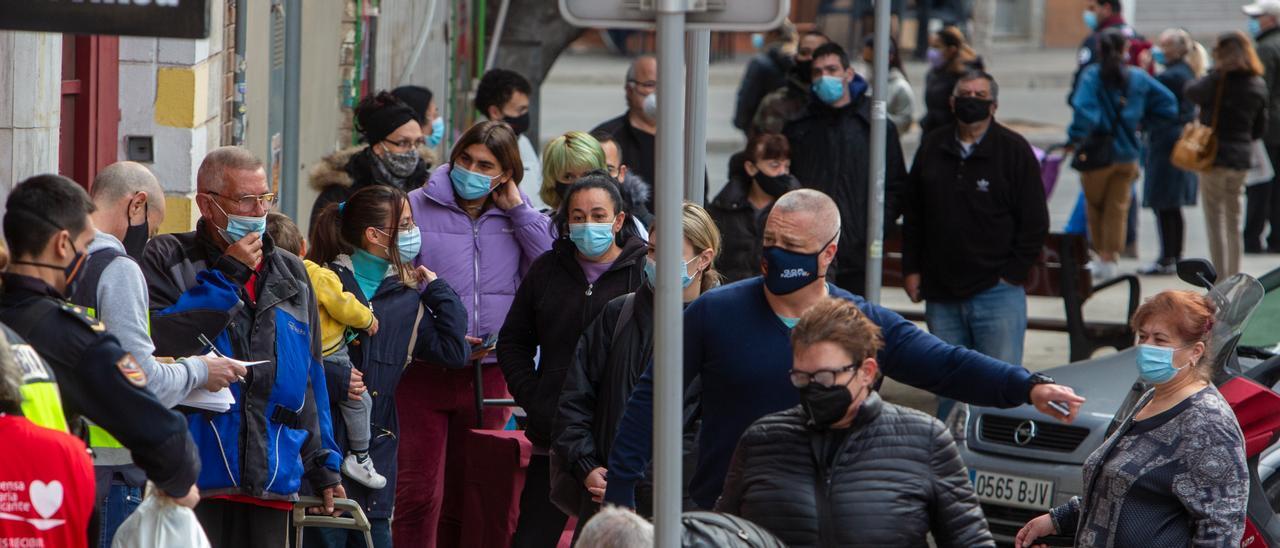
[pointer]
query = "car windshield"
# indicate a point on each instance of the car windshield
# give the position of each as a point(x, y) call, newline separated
point(1263, 329)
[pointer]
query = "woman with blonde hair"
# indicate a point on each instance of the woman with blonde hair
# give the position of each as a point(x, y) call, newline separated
point(1167, 189)
point(612, 354)
point(565, 160)
point(1235, 84)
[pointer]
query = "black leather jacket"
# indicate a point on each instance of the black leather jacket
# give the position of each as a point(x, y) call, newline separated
point(896, 478)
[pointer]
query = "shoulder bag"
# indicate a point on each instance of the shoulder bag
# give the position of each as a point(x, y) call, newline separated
point(1197, 148)
point(1097, 150)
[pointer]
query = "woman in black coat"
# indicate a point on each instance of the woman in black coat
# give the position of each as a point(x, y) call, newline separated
point(1237, 78)
point(563, 292)
point(845, 468)
point(612, 354)
point(950, 57)
point(758, 176)
point(1165, 188)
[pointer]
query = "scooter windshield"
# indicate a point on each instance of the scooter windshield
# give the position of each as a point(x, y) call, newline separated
point(1236, 298)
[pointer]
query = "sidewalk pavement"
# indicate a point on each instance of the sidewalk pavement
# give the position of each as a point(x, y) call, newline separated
point(583, 90)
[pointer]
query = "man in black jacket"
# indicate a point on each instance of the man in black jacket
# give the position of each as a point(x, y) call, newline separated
point(830, 152)
point(975, 221)
point(766, 72)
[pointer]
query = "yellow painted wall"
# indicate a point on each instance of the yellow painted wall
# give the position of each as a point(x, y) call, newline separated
point(182, 96)
point(180, 214)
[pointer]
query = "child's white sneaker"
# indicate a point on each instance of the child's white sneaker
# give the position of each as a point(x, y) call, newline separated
point(363, 472)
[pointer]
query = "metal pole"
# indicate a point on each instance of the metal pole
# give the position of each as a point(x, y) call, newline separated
point(697, 57)
point(668, 318)
point(498, 25)
point(290, 157)
point(879, 127)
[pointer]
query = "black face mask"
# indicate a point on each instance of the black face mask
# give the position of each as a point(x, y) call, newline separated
point(136, 236)
point(71, 271)
point(519, 124)
point(804, 71)
point(826, 404)
point(972, 109)
point(774, 186)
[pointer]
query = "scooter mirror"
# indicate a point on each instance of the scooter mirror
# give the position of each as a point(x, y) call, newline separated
point(1198, 272)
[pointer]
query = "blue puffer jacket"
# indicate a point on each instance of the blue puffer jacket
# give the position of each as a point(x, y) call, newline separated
point(279, 429)
point(429, 327)
point(1145, 103)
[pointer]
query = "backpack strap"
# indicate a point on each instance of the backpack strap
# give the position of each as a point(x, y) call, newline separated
point(624, 317)
point(84, 291)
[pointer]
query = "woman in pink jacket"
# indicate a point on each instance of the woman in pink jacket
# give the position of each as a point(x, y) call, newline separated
point(479, 234)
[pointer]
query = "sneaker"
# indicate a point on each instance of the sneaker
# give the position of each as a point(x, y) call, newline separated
point(1103, 270)
point(1159, 269)
point(363, 472)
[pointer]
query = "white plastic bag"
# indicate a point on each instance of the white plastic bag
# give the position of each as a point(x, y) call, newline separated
point(1260, 165)
point(160, 522)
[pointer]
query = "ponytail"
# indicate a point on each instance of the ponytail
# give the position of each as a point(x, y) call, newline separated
point(1111, 49)
point(340, 228)
point(325, 242)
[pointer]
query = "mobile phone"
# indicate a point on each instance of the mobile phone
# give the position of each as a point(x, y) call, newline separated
point(488, 340)
point(1060, 407)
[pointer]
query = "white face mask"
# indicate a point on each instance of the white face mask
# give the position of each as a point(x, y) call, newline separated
point(651, 106)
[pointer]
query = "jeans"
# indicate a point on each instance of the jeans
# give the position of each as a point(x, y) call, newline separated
point(992, 322)
point(355, 413)
point(120, 502)
point(327, 537)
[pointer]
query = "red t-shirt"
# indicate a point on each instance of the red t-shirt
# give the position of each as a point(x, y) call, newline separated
point(46, 486)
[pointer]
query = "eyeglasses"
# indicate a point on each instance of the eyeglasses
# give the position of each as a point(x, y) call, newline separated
point(389, 229)
point(649, 85)
point(825, 377)
point(248, 201)
point(407, 143)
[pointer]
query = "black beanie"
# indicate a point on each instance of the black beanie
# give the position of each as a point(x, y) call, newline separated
point(380, 115)
point(418, 98)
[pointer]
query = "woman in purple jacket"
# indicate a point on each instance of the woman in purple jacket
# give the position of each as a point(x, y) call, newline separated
point(479, 234)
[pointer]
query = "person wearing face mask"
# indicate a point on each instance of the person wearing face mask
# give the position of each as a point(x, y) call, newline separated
point(503, 96)
point(635, 129)
point(1174, 472)
point(48, 227)
point(893, 475)
point(791, 101)
point(227, 283)
point(423, 103)
point(612, 354)
point(737, 340)
point(129, 208)
point(370, 243)
point(950, 57)
point(394, 154)
point(900, 105)
point(483, 235)
point(563, 291)
point(975, 220)
point(570, 156)
point(1100, 16)
point(831, 151)
point(634, 189)
point(758, 176)
point(765, 72)
point(1263, 198)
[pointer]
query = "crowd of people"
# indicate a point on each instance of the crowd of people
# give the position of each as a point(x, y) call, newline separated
point(350, 350)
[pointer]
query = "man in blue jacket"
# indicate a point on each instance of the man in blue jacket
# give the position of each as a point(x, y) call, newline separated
point(228, 282)
point(737, 339)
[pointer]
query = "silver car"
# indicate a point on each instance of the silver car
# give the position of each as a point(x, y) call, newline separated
point(1022, 463)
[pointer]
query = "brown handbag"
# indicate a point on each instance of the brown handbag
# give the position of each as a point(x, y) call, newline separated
point(1197, 148)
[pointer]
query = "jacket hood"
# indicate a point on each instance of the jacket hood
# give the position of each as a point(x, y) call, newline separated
point(103, 240)
point(634, 190)
point(331, 170)
point(439, 189)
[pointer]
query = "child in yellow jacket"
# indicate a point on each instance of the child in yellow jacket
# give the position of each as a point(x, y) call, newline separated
point(341, 314)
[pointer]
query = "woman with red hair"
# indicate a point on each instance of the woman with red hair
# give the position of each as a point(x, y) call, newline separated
point(1174, 472)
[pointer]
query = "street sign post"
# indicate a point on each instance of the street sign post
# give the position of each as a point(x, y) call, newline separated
point(671, 19)
point(164, 18)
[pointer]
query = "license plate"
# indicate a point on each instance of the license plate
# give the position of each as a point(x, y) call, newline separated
point(1009, 490)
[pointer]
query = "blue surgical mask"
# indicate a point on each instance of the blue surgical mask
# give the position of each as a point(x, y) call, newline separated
point(409, 242)
point(787, 271)
point(239, 226)
point(437, 132)
point(1255, 28)
point(651, 272)
point(1091, 20)
point(1157, 55)
point(757, 40)
point(829, 89)
point(468, 184)
point(592, 239)
point(1155, 363)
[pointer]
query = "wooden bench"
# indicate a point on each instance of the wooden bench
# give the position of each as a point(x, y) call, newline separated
point(1058, 272)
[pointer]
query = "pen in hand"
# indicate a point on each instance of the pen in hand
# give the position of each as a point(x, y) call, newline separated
point(202, 339)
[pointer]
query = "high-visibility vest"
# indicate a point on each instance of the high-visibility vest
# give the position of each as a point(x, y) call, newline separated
point(41, 401)
point(107, 450)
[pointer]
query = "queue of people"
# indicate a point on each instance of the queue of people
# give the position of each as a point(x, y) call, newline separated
point(351, 353)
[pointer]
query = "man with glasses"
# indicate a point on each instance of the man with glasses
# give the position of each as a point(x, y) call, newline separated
point(634, 131)
point(226, 283)
point(975, 222)
point(737, 339)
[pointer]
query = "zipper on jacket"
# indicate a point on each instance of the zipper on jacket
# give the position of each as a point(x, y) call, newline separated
point(589, 287)
point(475, 267)
point(223, 452)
